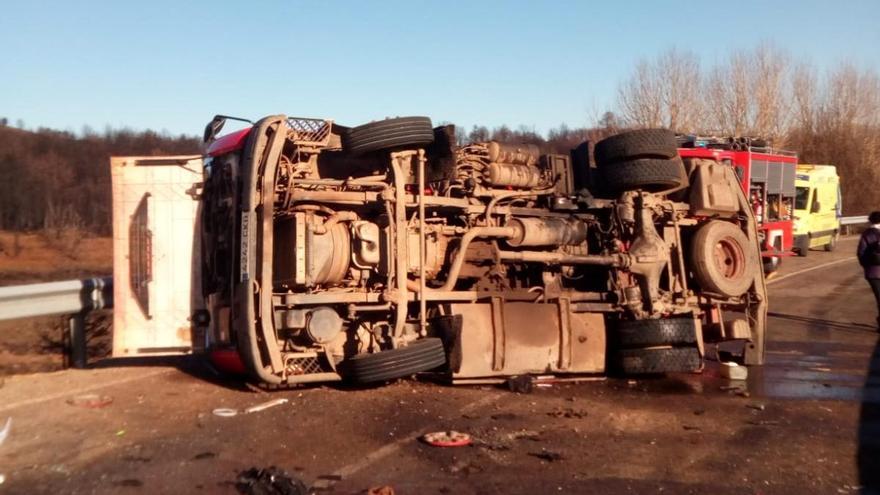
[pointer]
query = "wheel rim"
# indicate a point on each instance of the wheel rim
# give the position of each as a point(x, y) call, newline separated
point(730, 260)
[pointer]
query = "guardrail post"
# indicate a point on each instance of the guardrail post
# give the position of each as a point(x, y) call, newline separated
point(76, 326)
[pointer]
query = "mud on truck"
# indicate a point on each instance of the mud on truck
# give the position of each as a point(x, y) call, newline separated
point(299, 250)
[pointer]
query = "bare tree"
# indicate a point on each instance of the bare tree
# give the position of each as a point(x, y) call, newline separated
point(665, 92)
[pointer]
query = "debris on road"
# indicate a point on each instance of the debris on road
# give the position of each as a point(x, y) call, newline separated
point(269, 481)
point(225, 412)
point(547, 455)
point(733, 371)
point(447, 439)
point(380, 490)
point(5, 431)
point(757, 407)
point(265, 405)
point(521, 384)
point(567, 413)
point(90, 401)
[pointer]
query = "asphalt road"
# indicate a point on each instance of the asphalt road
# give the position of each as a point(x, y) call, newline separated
point(804, 423)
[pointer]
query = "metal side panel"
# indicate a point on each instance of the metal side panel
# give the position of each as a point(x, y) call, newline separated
point(156, 279)
point(532, 339)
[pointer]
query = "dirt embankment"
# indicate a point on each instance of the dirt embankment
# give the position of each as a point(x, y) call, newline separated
point(37, 344)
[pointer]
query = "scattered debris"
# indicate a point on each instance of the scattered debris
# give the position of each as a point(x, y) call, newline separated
point(120, 433)
point(265, 405)
point(763, 422)
point(269, 481)
point(381, 490)
point(534, 436)
point(547, 455)
point(733, 371)
point(567, 413)
point(699, 412)
point(743, 393)
point(5, 431)
point(225, 412)
point(90, 401)
point(205, 455)
point(691, 428)
point(520, 384)
point(447, 439)
point(757, 407)
point(503, 416)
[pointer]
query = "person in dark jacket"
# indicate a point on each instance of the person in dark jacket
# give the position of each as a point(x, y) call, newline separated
point(869, 257)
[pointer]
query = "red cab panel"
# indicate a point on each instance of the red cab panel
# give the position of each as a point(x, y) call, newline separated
point(233, 141)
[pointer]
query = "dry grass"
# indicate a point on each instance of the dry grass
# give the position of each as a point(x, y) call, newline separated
point(53, 255)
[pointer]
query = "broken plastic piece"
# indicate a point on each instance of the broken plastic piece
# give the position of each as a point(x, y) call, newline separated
point(447, 439)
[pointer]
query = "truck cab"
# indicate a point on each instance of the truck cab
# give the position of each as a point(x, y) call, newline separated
point(817, 208)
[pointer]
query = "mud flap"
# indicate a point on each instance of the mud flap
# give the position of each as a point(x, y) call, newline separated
point(156, 255)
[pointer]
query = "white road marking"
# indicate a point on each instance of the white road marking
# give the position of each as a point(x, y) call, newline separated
point(391, 448)
point(79, 391)
point(805, 270)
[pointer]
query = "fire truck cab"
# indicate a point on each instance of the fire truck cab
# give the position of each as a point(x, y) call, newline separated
point(767, 176)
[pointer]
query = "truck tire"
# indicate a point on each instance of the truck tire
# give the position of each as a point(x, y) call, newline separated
point(421, 355)
point(650, 174)
point(802, 245)
point(656, 360)
point(632, 145)
point(724, 261)
point(396, 133)
point(630, 334)
point(771, 265)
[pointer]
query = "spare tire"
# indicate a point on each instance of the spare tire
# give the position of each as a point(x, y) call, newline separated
point(654, 175)
point(396, 133)
point(651, 333)
point(421, 355)
point(632, 145)
point(656, 360)
point(724, 261)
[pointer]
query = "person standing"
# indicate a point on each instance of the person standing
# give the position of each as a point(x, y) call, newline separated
point(869, 257)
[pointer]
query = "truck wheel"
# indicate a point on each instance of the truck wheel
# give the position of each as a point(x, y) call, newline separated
point(632, 145)
point(832, 243)
point(656, 360)
point(802, 245)
point(724, 261)
point(650, 174)
point(400, 132)
point(650, 333)
point(772, 264)
point(421, 355)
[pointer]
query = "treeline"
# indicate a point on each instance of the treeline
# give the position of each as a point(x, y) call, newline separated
point(829, 117)
point(51, 179)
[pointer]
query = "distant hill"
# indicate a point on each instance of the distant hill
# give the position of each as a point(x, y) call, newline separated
point(54, 179)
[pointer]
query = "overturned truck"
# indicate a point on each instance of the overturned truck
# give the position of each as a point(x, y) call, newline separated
point(299, 251)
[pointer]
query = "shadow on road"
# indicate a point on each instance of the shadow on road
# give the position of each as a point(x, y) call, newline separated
point(196, 366)
point(869, 430)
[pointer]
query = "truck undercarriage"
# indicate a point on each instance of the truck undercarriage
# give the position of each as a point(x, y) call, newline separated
point(379, 251)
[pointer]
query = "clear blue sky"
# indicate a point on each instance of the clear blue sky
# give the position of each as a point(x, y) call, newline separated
point(171, 65)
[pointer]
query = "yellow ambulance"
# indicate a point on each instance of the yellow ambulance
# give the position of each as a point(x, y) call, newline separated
point(817, 208)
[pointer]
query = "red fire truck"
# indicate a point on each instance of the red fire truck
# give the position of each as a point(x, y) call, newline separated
point(767, 176)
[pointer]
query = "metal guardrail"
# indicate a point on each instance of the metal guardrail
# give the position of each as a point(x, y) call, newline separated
point(71, 297)
point(853, 220)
